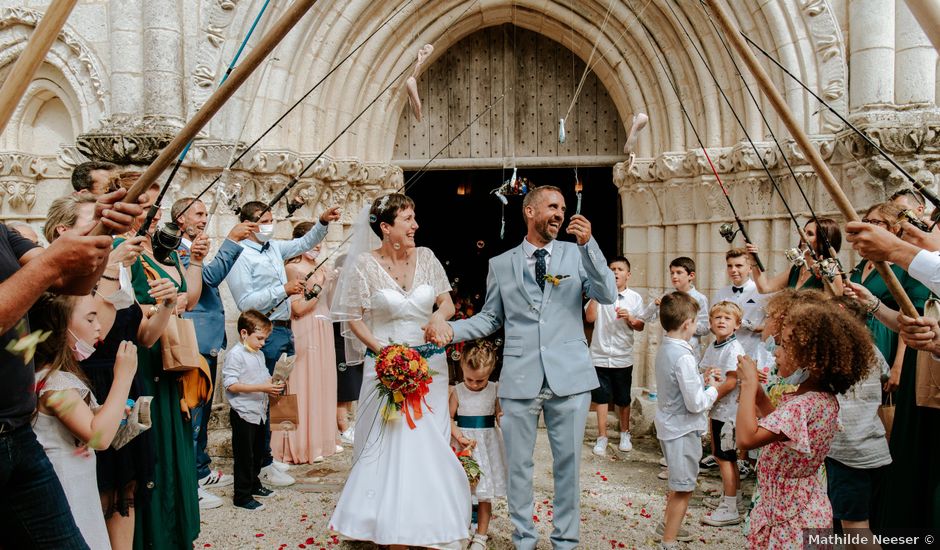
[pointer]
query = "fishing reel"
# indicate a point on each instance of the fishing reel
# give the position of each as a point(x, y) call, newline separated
point(911, 218)
point(164, 241)
point(795, 256)
point(728, 231)
point(295, 204)
point(829, 268)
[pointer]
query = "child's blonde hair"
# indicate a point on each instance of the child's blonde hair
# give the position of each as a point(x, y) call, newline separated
point(479, 356)
point(730, 308)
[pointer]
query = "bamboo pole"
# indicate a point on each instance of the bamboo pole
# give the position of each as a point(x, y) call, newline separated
point(238, 77)
point(32, 57)
point(927, 14)
point(822, 170)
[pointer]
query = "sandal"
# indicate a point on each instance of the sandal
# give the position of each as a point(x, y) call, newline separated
point(478, 542)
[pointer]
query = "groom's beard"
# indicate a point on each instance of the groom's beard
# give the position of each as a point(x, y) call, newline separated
point(546, 231)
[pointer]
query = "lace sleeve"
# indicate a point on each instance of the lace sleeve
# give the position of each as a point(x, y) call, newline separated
point(358, 291)
point(433, 272)
point(60, 381)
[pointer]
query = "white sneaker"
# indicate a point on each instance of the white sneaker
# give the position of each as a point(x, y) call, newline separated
point(713, 503)
point(347, 436)
point(662, 462)
point(318, 460)
point(280, 466)
point(216, 479)
point(684, 534)
point(663, 474)
point(207, 500)
point(625, 445)
point(600, 448)
point(721, 516)
point(339, 448)
point(276, 477)
point(478, 542)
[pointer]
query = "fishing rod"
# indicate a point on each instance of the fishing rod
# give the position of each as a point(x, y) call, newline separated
point(308, 295)
point(725, 231)
point(167, 238)
point(793, 255)
point(832, 266)
point(297, 103)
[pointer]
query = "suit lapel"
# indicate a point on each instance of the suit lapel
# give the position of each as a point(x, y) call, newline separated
point(558, 253)
point(518, 265)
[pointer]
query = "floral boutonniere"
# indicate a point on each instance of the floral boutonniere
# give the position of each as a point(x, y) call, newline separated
point(25, 343)
point(555, 279)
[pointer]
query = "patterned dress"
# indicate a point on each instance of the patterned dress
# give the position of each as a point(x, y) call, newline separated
point(793, 498)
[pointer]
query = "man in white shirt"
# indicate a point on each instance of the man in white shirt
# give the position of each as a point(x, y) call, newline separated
point(743, 292)
point(612, 353)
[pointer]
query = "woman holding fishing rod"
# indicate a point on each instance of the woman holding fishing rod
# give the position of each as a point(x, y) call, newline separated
point(805, 271)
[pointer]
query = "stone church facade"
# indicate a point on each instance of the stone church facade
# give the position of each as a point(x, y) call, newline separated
point(125, 75)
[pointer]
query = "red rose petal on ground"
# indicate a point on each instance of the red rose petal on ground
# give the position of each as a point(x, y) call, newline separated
point(259, 534)
point(207, 545)
point(535, 519)
point(301, 545)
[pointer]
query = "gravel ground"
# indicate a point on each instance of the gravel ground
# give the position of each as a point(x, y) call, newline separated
point(622, 502)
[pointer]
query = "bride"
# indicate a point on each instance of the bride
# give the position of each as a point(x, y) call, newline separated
point(406, 487)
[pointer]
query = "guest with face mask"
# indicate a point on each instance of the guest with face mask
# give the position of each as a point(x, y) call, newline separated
point(259, 281)
point(208, 316)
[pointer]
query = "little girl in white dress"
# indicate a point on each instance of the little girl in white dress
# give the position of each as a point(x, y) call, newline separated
point(475, 408)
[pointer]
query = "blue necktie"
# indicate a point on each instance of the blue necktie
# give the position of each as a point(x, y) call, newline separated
point(540, 267)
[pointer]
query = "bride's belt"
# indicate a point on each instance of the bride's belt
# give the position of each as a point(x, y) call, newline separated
point(425, 350)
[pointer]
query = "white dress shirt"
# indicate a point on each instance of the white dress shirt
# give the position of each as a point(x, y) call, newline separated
point(246, 367)
point(683, 397)
point(530, 259)
point(701, 321)
point(752, 303)
point(612, 339)
point(925, 267)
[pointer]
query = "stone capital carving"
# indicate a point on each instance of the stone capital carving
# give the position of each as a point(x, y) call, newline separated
point(124, 140)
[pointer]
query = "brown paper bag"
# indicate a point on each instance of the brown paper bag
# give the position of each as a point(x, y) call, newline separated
point(178, 345)
point(886, 413)
point(928, 369)
point(284, 414)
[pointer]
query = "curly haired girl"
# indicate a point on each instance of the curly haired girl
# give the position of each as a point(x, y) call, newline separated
point(824, 350)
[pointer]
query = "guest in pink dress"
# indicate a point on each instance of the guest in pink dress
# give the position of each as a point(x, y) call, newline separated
point(314, 377)
point(824, 350)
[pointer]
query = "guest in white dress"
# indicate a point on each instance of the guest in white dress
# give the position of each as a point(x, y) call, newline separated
point(476, 408)
point(70, 424)
point(406, 486)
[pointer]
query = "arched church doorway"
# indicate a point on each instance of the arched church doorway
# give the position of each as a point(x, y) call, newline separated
point(516, 84)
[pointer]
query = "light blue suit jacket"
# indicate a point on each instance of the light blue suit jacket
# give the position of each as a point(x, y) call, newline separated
point(209, 316)
point(545, 338)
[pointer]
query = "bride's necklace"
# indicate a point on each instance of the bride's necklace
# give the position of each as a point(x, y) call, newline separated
point(402, 272)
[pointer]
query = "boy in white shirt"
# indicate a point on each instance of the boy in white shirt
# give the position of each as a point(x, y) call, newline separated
point(680, 410)
point(682, 276)
point(743, 291)
point(725, 319)
point(612, 354)
point(247, 387)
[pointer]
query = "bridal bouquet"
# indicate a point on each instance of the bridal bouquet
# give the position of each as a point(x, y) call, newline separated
point(470, 467)
point(404, 378)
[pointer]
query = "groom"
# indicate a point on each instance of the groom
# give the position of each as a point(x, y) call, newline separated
point(535, 290)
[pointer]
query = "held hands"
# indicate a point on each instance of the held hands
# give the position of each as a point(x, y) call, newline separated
point(128, 251)
point(465, 442)
point(580, 227)
point(242, 231)
point(77, 254)
point(163, 290)
point(859, 292)
point(125, 363)
point(199, 249)
point(294, 287)
point(894, 379)
point(921, 333)
point(712, 377)
point(928, 241)
point(747, 371)
point(330, 215)
point(115, 215)
point(438, 332)
point(871, 241)
point(272, 388)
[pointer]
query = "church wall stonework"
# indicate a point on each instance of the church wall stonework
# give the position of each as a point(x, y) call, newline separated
point(131, 72)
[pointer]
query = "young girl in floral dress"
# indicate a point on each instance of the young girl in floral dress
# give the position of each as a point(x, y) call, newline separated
point(824, 351)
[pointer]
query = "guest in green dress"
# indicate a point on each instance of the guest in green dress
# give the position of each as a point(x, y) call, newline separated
point(171, 521)
point(805, 276)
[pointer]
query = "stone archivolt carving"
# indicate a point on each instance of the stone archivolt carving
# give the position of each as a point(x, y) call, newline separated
point(13, 16)
point(829, 46)
point(220, 15)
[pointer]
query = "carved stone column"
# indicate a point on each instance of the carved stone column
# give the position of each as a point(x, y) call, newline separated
point(916, 68)
point(871, 57)
point(163, 60)
point(127, 58)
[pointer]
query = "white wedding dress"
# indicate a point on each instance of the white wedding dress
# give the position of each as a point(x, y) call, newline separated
point(406, 486)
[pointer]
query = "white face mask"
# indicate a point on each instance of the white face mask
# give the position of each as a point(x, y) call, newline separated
point(798, 377)
point(265, 233)
point(124, 297)
point(82, 349)
point(311, 255)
